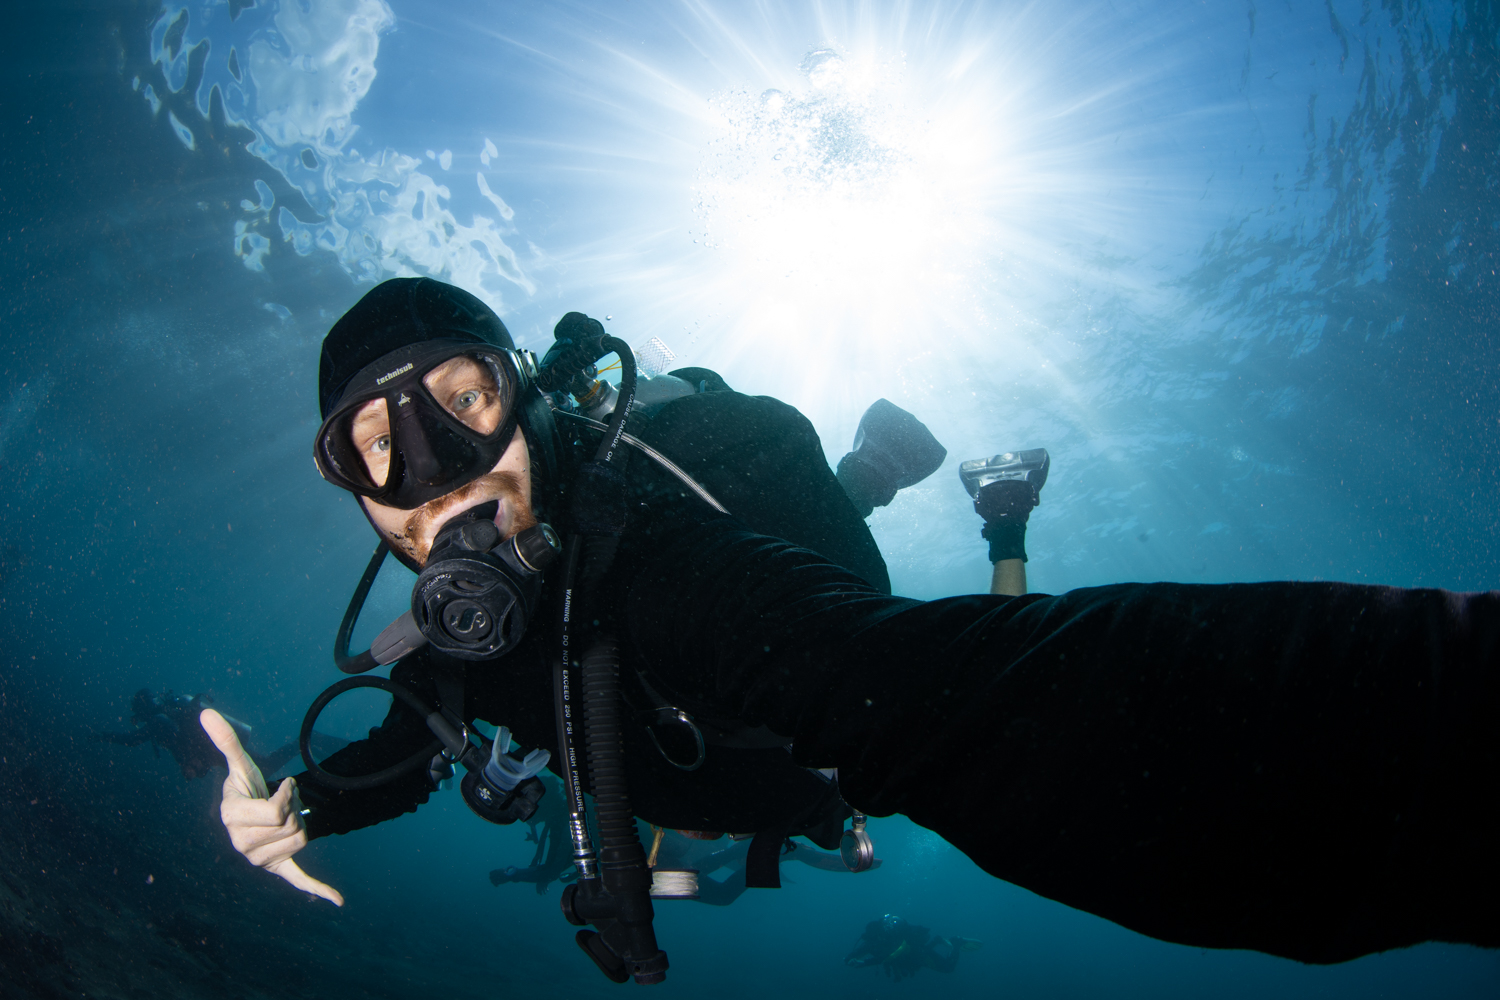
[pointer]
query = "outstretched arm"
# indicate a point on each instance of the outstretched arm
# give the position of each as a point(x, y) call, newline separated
point(1222, 766)
point(1009, 578)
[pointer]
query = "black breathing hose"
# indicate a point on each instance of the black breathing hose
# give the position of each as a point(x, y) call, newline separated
point(364, 661)
point(611, 442)
point(622, 859)
point(363, 781)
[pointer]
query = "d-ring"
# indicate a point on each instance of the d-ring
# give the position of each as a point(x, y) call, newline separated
point(677, 715)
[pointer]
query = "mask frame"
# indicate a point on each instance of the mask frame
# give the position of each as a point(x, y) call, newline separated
point(432, 452)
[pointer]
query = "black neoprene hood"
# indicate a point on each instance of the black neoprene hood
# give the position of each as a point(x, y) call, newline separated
point(397, 313)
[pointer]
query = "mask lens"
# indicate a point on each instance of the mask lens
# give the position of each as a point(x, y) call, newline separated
point(343, 461)
point(472, 390)
point(368, 437)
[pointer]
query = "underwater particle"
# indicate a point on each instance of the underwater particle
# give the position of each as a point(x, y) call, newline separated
point(152, 99)
point(184, 133)
point(150, 879)
point(309, 160)
point(490, 152)
point(135, 83)
point(445, 159)
point(431, 155)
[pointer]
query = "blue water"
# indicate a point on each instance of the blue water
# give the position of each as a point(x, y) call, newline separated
point(1232, 263)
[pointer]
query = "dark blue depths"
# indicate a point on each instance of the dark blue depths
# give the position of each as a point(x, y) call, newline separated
point(162, 526)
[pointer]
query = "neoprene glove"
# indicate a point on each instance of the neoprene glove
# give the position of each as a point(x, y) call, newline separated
point(1007, 500)
point(892, 450)
point(1005, 489)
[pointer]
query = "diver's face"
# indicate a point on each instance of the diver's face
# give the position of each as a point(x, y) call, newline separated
point(467, 390)
point(461, 385)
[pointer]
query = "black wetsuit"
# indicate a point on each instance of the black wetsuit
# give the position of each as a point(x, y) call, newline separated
point(762, 459)
point(1307, 769)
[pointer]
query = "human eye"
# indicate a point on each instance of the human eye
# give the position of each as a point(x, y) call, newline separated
point(466, 399)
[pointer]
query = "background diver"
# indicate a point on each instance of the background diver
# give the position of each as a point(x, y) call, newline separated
point(169, 722)
point(902, 949)
point(552, 861)
point(720, 860)
point(1222, 766)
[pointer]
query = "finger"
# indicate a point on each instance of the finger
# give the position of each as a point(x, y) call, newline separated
point(288, 870)
point(243, 811)
point(285, 793)
point(275, 811)
point(242, 770)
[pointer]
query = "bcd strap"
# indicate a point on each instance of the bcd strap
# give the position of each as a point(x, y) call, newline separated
point(763, 862)
point(599, 499)
point(449, 680)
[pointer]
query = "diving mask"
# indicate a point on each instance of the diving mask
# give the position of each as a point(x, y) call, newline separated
point(422, 421)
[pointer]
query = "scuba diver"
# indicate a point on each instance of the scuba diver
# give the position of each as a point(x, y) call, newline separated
point(169, 722)
point(720, 863)
point(553, 859)
point(1305, 769)
point(902, 949)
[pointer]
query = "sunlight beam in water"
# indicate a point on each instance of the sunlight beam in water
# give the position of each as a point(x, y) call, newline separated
point(902, 202)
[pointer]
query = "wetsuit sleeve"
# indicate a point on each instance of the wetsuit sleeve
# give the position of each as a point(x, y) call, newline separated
point(1307, 769)
point(402, 734)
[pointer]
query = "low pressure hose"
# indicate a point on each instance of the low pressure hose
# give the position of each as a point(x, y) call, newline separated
point(363, 781)
point(361, 662)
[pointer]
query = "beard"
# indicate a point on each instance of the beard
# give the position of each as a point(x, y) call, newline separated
point(506, 486)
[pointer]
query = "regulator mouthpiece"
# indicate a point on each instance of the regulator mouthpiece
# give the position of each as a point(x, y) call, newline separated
point(477, 593)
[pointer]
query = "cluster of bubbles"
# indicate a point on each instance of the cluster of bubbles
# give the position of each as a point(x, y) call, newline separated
point(806, 170)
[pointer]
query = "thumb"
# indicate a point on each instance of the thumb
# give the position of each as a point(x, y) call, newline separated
point(243, 773)
point(287, 869)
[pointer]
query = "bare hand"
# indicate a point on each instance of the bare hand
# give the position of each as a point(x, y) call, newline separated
point(267, 830)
